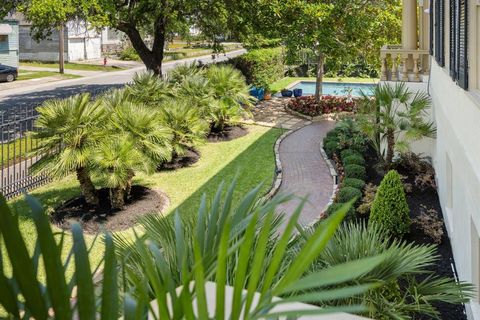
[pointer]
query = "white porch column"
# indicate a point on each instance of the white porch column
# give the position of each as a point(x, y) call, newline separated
point(409, 25)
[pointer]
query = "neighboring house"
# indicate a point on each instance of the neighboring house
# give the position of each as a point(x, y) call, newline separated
point(81, 43)
point(447, 33)
point(9, 43)
point(112, 40)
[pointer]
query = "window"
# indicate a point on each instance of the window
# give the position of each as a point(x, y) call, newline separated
point(459, 42)
point(3, 38)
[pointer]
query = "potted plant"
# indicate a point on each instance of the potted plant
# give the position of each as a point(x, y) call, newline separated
point(286, 93)
point(297, 93)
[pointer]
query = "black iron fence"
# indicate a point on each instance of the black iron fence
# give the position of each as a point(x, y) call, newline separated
point(15, 153)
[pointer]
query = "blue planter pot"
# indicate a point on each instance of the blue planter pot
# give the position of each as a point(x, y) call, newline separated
point(260, 94)
point(287, 93)
point(254, 91)
point(297, 92)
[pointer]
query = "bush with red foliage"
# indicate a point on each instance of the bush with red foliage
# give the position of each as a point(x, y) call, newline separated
point(328, 104)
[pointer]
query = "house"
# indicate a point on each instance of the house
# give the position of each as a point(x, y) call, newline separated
point(9, 43)
point(81, 43)
point(439, 54)
point(112, 40)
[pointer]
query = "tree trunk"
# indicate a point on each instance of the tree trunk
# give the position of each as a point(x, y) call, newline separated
point(87, 187)
point(319, 84)
point(128, 187)
point(61, 49)
point(152, 58)
point(390, 146)
point(117, 198)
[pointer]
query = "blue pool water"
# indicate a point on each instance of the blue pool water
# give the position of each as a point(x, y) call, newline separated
point(335, 89)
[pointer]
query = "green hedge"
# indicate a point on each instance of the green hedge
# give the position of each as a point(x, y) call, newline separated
point(334, 207)
point(355, 171)
point(353, 182)
point(345, 194)
point(348, 153)
point(390, 207)
point(261, 66)
point(354, 159)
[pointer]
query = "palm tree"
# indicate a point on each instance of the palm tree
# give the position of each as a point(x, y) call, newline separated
point(67, 132)
point(179, 73)
point(149, 89)
point(188, 128)
point(408, 287)
point(395, 116)
point(116, 161)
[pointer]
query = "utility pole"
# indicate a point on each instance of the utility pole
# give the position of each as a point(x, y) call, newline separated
point(61, 47)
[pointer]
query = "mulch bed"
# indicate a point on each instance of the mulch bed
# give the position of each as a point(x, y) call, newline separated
point(228, 134)
point(143, 201)
point(429, 198)
point(190, 158)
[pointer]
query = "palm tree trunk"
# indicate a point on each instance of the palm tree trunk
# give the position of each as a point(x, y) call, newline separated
point(390, 146)
point(87, 187)
point(319, 83)
point(117, 198)
point(128, 187)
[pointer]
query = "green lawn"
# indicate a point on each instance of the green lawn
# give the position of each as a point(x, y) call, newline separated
point(16, 149)
point(251, 158)
point(285, 82)
point(28, 75)
point(71, 66)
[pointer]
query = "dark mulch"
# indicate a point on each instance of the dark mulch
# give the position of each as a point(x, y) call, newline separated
point(416, 199)
point(142, 201)
point(190, 158)
point(229, 133)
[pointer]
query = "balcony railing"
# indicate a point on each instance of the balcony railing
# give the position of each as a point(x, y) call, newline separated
point(403, 65)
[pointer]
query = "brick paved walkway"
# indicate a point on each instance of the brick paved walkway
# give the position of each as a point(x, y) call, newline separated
point(305, 173)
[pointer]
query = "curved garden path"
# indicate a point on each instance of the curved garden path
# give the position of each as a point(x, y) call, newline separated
point(305, 172)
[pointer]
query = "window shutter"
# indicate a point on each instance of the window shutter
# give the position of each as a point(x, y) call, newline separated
point(431, 27)
point(462, 59)
point(453, 39)
point(440, 32)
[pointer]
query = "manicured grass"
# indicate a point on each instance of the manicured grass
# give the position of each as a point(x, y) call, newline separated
point(249, 158)
point(28, 75)
point(71, 66)
point(285, 82)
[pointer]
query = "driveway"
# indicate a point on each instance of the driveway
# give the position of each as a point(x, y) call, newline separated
point(17, 100)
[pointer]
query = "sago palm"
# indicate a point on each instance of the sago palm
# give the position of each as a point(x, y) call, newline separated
point(187, 126)
point(116, 161)
point(395, 116)
point(67, 132)
point(409, 287)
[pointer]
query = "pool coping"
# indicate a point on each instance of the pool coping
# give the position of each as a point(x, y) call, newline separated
point(294, 83)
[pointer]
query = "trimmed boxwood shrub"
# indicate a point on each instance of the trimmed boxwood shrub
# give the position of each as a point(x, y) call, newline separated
point(352, 182)
point(334, 207)
point(390, 207)
point(345, 194)
point(354, 159)
point(355, 171)
point(330, 147)
point(349, 152)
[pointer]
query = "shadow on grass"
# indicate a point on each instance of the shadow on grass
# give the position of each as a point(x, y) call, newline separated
point(254, 166)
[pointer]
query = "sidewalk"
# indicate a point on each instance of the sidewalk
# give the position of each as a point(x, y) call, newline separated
point(81, 73)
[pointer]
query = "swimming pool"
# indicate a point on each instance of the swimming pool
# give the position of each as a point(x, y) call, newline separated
point(335, 88)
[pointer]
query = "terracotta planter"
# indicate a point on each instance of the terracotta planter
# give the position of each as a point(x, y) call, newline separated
point(267, 96)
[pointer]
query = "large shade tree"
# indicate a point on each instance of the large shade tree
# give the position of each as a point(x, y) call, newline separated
point(335, 28)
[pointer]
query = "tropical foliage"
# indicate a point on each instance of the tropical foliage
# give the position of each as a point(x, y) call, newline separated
point(408, 289)
point(168, 278)
point(395, 116)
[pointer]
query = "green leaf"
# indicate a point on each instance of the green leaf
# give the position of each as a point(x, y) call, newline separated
point(110, 286)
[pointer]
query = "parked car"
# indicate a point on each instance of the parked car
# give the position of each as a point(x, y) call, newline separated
point(8, 73)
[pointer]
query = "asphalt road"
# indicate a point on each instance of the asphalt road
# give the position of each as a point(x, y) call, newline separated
point(15, 102)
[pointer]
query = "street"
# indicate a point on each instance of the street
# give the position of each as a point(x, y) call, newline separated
point(16, 101)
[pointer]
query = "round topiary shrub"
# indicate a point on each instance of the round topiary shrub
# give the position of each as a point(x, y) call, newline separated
point(345, 194)
point(355, 171)
point(334, 207)
point(349, 152)
point(333, 133)
point(354, 159)
point(390, 207)
point(352, 182)
point(330, 147)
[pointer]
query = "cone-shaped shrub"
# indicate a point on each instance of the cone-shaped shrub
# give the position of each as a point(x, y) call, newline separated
point(390, 207)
